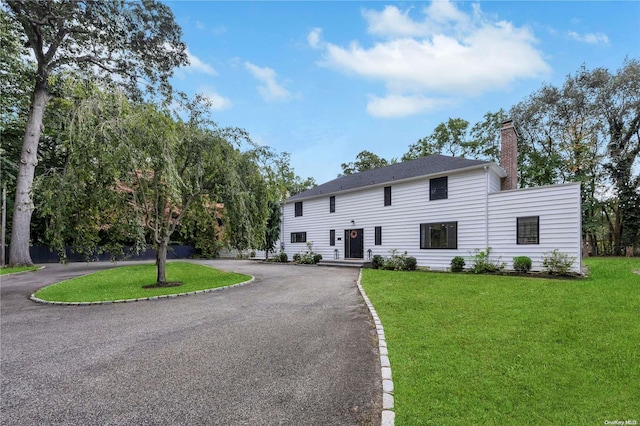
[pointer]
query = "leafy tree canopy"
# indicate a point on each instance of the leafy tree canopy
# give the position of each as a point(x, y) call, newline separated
point(587, 130)
point(139, 42)
point(456, 139)
point(134, 172)
point(365, 160)
point(136, 44)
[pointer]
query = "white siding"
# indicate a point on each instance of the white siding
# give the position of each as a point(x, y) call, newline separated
point(400, 222)
point(494, 183)
point(468, 203)
point(558, 208)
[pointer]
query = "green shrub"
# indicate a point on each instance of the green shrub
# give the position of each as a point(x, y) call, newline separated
point(457, 264)
point(399, 262)
point(283, 257)
point(482, 263)
point(410, 263)
point(392, 264)
point(309, 257)
point(557, 263)
point(522, 264)
point(377, 261)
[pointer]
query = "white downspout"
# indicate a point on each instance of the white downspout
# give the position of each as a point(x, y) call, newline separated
point(486, 208)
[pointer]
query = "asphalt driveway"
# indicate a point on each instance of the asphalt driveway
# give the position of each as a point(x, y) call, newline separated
point(296, 347)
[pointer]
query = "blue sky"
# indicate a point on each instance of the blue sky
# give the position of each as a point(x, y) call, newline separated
point(326, 80)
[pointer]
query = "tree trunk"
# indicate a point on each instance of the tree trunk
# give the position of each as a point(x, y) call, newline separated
point(23, 207)
point(161, 260)
point(617, 233)
point(4, 224)
point(594, 244)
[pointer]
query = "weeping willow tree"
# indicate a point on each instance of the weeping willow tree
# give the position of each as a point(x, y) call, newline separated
point(134, 171)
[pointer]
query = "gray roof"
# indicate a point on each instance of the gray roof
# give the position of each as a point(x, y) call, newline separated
point(423, 166)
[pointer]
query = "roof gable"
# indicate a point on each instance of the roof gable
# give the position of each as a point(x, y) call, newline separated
point(423, 166)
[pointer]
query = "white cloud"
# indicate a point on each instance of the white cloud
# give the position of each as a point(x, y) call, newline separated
point(313, 38)
point(400, 105)
point(217, 101)
point(270, 90)
point(445, 12)
point(447, 52)
point(196, 65)
point(216, 29)
point(590, 38)
point(392, 22)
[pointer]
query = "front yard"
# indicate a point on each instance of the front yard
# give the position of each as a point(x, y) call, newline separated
point(482, 349)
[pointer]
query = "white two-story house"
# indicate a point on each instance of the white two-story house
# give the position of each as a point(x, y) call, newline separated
point(435, 208)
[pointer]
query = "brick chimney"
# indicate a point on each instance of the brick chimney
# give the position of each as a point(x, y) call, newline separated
point(509, 155)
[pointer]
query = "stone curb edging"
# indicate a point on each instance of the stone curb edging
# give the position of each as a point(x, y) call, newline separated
point(141, 299)
point(388, 415)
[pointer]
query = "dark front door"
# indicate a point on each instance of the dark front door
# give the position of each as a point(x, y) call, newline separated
point(353, 244)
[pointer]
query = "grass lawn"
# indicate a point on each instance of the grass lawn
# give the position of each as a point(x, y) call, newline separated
point(7, 270)
point(474, 349)
point(126, 282)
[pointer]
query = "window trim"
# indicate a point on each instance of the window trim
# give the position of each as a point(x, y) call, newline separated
point(425, 243)
point(298, 209)
point(378, 236)
point(294, 237)
point(387, 195)
point(523, 239)
point(332, 237)
point(434, 181)
point(332, 204)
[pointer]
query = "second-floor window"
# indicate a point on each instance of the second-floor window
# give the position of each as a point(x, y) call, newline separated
point(332, 204)
point(438, 188)
point(299, 208)
point(387, 195)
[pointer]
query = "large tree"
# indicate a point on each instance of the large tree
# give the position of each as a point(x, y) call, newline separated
point(16, 77)
point(448, 138)
point(455, 138)
point(365, 160)
point(137, 43)
point(282, 178)
point(616, 98)
point(134, 172)
point(587, 131)
point(272, 228)
point(282, 182)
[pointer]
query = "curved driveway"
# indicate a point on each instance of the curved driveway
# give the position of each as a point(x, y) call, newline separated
point(296, 347)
